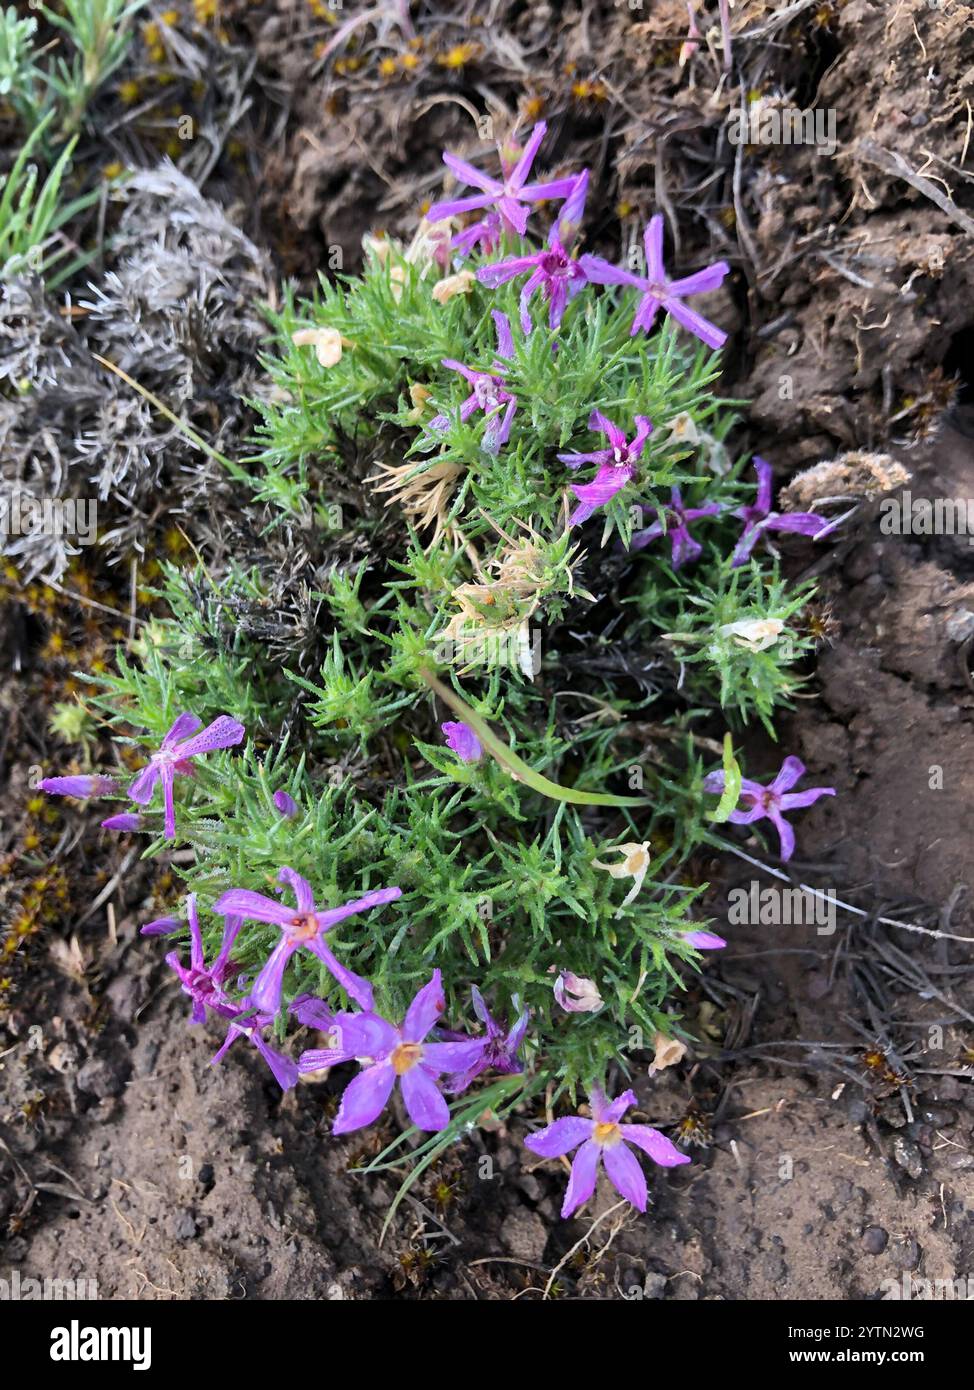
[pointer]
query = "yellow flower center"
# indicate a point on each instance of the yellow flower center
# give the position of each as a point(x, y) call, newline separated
point(606, 1134)
point(405, 1057)
point(304, 926)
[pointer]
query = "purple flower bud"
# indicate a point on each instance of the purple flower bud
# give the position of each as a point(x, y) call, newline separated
point(286, 804)
point(162, 926)
point(704, 940)
point(127, 821)
point(78, 786)
point(464, 742)
point(576, 994)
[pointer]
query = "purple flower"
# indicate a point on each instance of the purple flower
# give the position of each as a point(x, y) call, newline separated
point(552, 270)
point(489, 393)
point(312, 1012)
point(179, 745)
point(507, 196)
point(78, 786)
point(128, 820)
point(660, 292)
point(759, 517)
point(395, 1052)
point(464, 742)
point(704, 940)
point(486, 234)
point(286, 804)
point(617, 464)
point(304, 928)
point(499, 1045)
point(683, 548)
point(204, 983)
point(161, 926)
point(603, 1137)
point(285, 1070)
point(773, 800)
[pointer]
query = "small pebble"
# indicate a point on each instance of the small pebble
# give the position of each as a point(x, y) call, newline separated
point(875, 1240)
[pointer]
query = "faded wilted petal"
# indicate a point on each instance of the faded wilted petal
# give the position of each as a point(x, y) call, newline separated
point(755, 634)
point(669, 1051)
point(577, 995)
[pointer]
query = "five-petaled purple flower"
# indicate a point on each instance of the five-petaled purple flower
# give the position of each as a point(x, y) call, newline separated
point(773, 800)
point(464, 742)
point(682, 545)
point(498, 1046)
point(395, 1053)
point(660, 292)
point(203, 983)
point(552, 270)
point(179, 745)
point(489, 393)
point(604, 1138)
point(617, 464)
point(759, 517)
point(507, 196)
point(304, 928)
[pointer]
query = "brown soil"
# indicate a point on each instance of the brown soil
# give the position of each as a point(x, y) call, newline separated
point(840, 1117)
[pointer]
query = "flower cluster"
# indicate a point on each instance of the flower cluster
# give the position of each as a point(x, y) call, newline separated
point(558, 275)
point(427, 1068)
point(275, 957)
point(182, 742)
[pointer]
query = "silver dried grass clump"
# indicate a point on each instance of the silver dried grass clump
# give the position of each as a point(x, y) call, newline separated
point(178, 311)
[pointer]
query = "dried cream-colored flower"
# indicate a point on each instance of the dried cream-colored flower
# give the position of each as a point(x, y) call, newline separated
point(756, 634)
point(683, 430)
point(461, 283)
point(423, 492)
point(431, 245)
point(378, 246)
point(669, 1051)
point(397, 279)
point(634, 865)
point(419, 395)
point(327, 343)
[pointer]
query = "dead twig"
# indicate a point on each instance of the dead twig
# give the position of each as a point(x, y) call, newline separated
point(896, 166)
